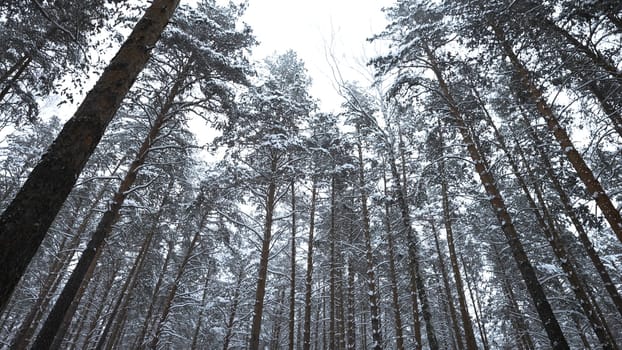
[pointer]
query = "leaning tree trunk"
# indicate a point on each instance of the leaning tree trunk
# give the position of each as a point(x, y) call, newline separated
point(536, 290)
point(450, 298)
point(24, 223)
point(168, 303)
point(104, 227)
point(570, 213)
point(584, 172)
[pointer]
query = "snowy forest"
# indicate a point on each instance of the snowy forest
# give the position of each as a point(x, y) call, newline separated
point(470, 198)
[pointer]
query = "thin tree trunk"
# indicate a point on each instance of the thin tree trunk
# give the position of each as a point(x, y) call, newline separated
point(168, 303)
point(471, 344)
point(233, 310)
point(371, 276)
point(549, 321)
point(351, 310)
point(263, 262)
point(306, 343)
point(139, 343)
point(197, 328)
point(417, 281)
point(450, 298)
point(399, 334)
point(476, 305)
point(113, 324)
point(292, 286)
point(24, 223)
point(582, 169)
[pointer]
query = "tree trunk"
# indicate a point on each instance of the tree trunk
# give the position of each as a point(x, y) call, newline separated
point(263, 262)
point(306, 343)
point(371, 275)
point(471, 344)
point(582, 169)
point(139, 342)
point(476, 305)
point(549, 321)
point(233, 310)
point(168, 303)
point(570, 213)
point(450, 298)
point(351, 310)
point(292, 286)
point(399, 334)
point(24, 223)
point(104, 227)
point(197, 328)
point(549, 229)
point(417, 281)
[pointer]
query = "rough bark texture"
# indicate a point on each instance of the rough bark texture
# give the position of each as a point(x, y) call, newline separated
point(25, 221)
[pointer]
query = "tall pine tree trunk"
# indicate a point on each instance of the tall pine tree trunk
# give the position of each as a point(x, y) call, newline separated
point(371, 275)
point(292, 286)
point(399, 333)
point(471, 344)
point(611, 214)
point(24, 223)
point(306, 342)
point(260, 292)
point(545, 311)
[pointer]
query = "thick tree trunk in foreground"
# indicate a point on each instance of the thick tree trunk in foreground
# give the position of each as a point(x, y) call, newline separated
point(535, 289)
point(104, 227)
point(25, 221)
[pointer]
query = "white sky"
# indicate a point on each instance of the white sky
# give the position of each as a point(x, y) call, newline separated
point(308, 27)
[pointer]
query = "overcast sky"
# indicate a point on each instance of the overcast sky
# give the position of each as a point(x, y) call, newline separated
point(309, 27)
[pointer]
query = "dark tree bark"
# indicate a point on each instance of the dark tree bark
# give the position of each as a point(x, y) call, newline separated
point(105, 225)
point(24, 223)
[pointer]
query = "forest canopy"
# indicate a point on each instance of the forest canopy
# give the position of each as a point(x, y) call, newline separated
point(469, 197)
